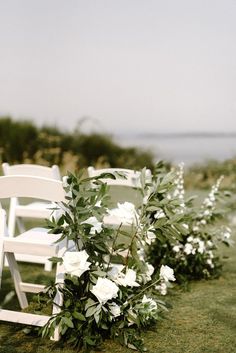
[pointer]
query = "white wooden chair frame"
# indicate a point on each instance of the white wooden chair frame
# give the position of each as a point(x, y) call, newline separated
point(34, 242)
point(127, 189)
point(34, 209)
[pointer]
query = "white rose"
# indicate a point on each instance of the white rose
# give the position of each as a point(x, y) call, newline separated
point(126, 212)
point(105, 290)
point(114, 309)
point(128, 279)
point(75, 262)
point(167, 273)
point(150, 269)
point(124, 279)
point(96, 225)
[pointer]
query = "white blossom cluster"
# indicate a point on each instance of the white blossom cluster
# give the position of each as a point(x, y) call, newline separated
point(193, 246)
point(208, 204)
point(179, 188)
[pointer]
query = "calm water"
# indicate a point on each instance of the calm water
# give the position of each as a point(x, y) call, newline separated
point(187, 149)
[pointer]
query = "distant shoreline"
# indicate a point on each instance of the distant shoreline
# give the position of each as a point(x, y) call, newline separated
point(181, 135)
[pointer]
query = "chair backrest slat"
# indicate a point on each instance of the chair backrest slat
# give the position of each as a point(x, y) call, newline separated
point(33, 187)
point(32, 169)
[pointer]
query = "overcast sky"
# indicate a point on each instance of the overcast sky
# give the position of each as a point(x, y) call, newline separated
point(130, 65)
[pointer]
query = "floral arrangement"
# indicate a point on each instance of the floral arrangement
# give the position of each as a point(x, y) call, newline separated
point(192, 254)
point(110, 290)
point(116, 276)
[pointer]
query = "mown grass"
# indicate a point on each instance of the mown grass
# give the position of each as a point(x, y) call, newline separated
point(202, 320)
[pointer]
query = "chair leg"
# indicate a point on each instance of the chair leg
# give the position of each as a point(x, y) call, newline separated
point(12, 217)
point(17, 279)
point(48, 266)
point(1, 260)
point(58, 300)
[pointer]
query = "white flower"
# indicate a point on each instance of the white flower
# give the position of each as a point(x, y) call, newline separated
point(124, 279)
point(96, 225)
point(196, 240)
point(167, 273)
point(162, 288)
point(195, 228)
point(159, 214)
point(208, 202)
point(126, 212)
point(176, 248)
point(185, 226)
point(114, 309)
point(209, 243)
point(206, 213)
point(150, 237)
point(190, 239)
point(149, 272)
point(188, 248)
point(227, 235)
point(211, 255)
point(201, 247)
point(105, 290)
point(212, 198)
point(75, 262)
point(210, 263)
point(152, 304)
point(129, 279)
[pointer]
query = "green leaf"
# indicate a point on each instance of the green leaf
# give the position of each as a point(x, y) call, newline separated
point(55, 259)
point(78, 316)
point(67, 321)
point(91, 311)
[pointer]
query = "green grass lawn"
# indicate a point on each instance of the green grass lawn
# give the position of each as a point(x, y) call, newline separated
point(202, 320)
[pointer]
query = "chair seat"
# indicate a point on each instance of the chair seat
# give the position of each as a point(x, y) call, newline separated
point(36, 240)
point(35, 210)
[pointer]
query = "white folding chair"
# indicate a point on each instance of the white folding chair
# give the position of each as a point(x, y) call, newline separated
point(35, 241)
point(33, 209)
point(125, 188)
